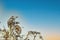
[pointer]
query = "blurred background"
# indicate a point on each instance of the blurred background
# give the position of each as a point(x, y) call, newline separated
point(37, 15)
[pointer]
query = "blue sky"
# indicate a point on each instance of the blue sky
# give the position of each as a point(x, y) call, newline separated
point(36, 10)
point(42, 14)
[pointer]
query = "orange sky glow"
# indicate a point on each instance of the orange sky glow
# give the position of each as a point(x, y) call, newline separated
point(53, 37)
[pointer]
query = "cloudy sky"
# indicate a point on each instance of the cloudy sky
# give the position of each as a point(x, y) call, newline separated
point(38, 15)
